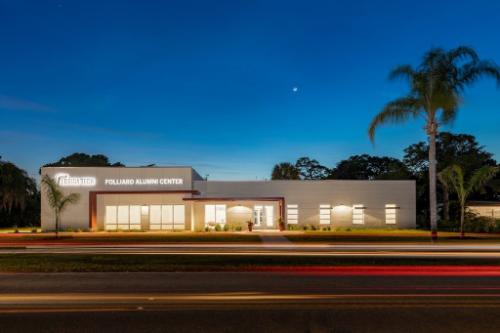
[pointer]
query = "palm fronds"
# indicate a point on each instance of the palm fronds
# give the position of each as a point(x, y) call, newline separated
point(397, 111)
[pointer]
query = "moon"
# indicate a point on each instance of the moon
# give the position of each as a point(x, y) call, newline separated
point(295, 89)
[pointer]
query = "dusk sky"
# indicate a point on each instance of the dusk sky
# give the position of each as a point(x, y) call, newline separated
point(229, 87)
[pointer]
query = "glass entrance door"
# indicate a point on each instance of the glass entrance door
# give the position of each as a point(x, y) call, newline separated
point(263, 217)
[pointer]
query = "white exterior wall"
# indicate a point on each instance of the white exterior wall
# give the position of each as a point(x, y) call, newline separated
point(491, 211)
point(77, 216)
point(309, 194)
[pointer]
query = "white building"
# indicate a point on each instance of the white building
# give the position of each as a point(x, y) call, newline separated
point(178, 198)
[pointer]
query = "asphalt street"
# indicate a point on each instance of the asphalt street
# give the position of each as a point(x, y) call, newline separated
point(287, 301)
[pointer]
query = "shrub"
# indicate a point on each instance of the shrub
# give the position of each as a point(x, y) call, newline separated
point(482, 224)
point(207, 229)
point(293, 227)
point(226, 227)
point(238, 228)
point(218, 227)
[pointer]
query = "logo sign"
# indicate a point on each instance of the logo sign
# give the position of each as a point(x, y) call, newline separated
point(65, 180)
point(143, 181)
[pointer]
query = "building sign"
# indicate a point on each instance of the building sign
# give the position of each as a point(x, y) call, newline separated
point(65, 180)
point(143, 181)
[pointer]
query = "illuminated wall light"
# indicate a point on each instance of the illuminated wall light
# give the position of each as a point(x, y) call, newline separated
point(341, 208)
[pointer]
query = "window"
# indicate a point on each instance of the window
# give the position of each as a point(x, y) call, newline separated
point(358, 214)
point(292, 214)
point(166, 217)
point(135, 217)
point(123, 213)
point(325, 214)
point(161, 217)
point(110, 218)
point(215, 214)
point(155, 217)
point(390, 213)
point(178, 217)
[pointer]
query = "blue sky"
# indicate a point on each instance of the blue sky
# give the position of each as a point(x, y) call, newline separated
point(210, 83)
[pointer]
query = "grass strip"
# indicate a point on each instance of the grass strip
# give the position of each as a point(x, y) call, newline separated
point(137, 238)
point(173, 263)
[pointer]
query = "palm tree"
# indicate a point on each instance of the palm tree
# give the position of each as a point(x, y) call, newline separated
point(285, 170)
point(453, 176)
point(57, 200)
point(436, 86)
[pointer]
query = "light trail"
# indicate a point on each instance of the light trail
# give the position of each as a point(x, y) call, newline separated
point(251, 252)
point(84, 302)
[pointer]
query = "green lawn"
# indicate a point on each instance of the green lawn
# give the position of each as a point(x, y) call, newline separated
point(133, 237)
point(385, 235)
point(172, 263)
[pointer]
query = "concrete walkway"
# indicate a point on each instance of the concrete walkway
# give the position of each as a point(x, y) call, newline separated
point(274, 239)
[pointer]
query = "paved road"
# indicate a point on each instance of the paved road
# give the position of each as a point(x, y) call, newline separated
point(278, 248)
point(288, 301)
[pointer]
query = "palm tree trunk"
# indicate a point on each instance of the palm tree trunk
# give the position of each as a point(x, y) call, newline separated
point(446, 203)
point(462, 219)
point(57, 225)
point(432, 180)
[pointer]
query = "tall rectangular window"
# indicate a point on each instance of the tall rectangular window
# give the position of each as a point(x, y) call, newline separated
point(292, 214)
point(167, 217)
point(325, 214)
point(135, 217)
point(391, 213)
point(178, 217)
point(155, 217)
point(358, 214)
point(123, 217)
point(215, 214)
point(110, 218)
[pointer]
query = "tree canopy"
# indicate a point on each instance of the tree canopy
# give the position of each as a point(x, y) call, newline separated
point(370, 167)
point(310, 169)
point(84, 160)
point(19, 196)
point(285, 170)
point(461, 149)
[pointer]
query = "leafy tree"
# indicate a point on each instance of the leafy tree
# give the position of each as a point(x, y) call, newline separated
point(311, 169)
point(370, 167)
point(461, 149)
point(285, 170)
point(84, 160)
point(16, 187)
point(454, 176)
point(19, 197)
point(436, 86)
point(56, 198)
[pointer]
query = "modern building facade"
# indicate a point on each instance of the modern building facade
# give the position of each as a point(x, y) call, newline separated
point(178, 198)
point(488, 209)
